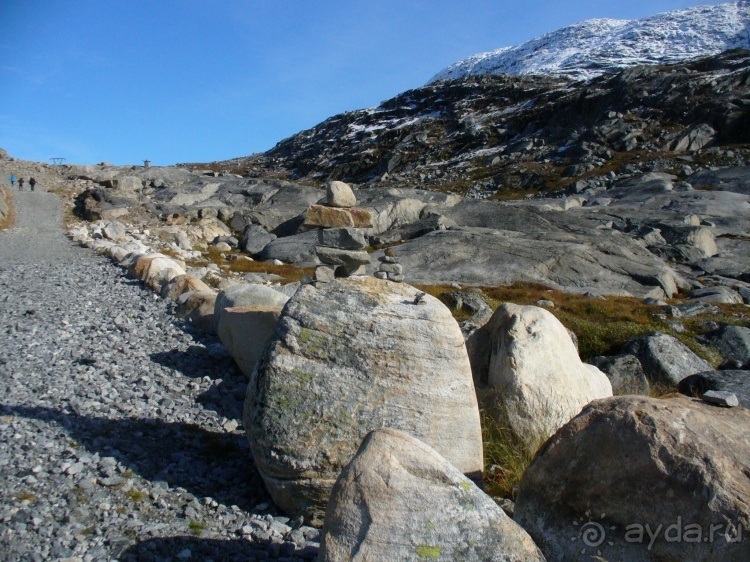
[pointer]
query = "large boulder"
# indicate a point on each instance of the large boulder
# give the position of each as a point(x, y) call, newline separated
point(678, 466)
point(348, 357)
point(732, 380)
point(664, 358)
point(398, 499)
point(536, 372)
point(245, 330)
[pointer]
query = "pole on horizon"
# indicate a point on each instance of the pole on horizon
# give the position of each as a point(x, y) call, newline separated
point(57, 161)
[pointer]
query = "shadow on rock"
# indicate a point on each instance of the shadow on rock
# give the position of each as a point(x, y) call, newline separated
point(205, 463)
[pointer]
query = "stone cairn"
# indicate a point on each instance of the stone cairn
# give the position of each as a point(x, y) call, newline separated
point(341, 240)
point(389, 267)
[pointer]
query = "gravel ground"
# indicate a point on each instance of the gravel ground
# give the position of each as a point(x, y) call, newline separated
point(120, 426)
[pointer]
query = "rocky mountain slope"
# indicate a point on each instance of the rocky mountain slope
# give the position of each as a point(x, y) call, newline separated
point(508, 135)
point(596, 46)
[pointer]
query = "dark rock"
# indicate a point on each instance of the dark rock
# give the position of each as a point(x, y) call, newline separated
point(664, 358)
point(255, 238)
point(624, 372)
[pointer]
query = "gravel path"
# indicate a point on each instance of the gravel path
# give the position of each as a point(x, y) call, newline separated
point(120, 426)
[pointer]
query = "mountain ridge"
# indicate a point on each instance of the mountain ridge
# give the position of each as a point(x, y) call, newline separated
point(594, 47)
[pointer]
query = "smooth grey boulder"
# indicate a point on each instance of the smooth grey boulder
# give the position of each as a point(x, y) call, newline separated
point(398, 499)
point(631, 461)
point(602, 262)
point(343, 238)
point(534, 369)
point(721, 398)
point(339, 194)
point(734, 381)
point(297, 249)
point(664, 358)
point(255, 238)
point(348, 357)
point(733, 342)
point(716, 294)
point(624, 372)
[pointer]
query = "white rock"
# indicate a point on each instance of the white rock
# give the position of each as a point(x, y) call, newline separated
point(540, 381)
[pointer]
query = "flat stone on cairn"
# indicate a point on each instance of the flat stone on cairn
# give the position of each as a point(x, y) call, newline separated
point(389, 267)
point(341, 242)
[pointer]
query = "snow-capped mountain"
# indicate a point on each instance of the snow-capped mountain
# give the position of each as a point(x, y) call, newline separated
point(593, 47)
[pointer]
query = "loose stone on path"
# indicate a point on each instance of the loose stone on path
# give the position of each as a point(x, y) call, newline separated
point(120, 430)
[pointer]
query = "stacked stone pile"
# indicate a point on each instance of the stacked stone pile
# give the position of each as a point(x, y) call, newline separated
point(389, 267)
point(341, 240)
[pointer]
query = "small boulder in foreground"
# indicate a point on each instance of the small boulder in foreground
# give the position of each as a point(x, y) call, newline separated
point(398, 499)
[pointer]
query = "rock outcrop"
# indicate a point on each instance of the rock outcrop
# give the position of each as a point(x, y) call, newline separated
point(348, 357)
point(677, 465)
point(398, 499)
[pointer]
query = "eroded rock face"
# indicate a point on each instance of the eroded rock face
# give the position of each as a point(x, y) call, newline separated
point(627, 462)
point(535, 370)
point(400, 500)
point(348, 357)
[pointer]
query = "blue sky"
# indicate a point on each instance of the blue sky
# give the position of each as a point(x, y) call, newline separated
point(199, 80)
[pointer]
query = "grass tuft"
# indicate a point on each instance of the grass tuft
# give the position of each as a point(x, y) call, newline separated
point(196, 527)
point(506, 456)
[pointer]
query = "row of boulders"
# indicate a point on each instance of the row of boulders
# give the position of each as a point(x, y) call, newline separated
point(354, 355)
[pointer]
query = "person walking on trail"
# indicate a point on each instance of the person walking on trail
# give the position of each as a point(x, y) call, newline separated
point(32, 183)
point(13, 181)
point(20, 184)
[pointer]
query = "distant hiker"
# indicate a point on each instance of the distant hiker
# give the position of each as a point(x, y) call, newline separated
point(20, 184)
point(13, 181)
point(32, 183)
